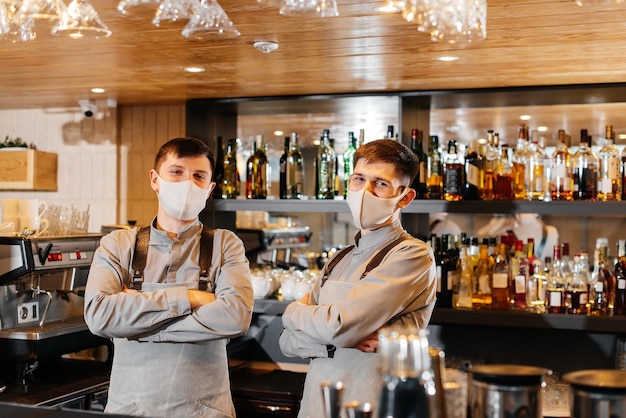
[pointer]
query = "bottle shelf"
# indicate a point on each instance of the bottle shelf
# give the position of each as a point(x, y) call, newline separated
point(561, 208)
point(509, 319)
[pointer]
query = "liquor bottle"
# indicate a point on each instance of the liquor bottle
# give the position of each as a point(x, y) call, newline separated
point(348, 161)
point(561, 177)
point(462, 294)
point(483, 277)
point(337, 178)
point(295, 177)
point(536, 172)
point(218, 172)
point(619, 274)
point(609, 176)
point(389, 133)
point(284, 164)
point(443, 262)
point(230, 181)
point(556, 284)
point(520, 162)
point(361, 137)
point(503, 179)
point(474, 173)
point(577, 290)
point(489, 151)
point(417, 146)
point(565, 264)
point(537, 283)
point(453, 174)
point(257, 166)
point(500, 280)
point(598, 286)
point(434, 170)
point(519, 277)
point(586, 166)
point(325, 165)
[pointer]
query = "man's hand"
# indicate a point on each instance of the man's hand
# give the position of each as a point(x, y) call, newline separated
point(198, 298)
point(369, 344)
point(129, 291)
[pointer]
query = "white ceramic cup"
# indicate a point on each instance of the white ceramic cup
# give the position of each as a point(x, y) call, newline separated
point(6, 227)
point(32, 207)
point(13, 220)
point(33, 225)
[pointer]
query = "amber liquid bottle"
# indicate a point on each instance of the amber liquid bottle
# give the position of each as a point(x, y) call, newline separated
point(489, 151)
point(619, 274)
point(561, 173)
point(256, 177)
point(556, 284)
point(483, 277)
point(453, 175)
point(230, 181)
point(503, 181)
point(609, 176)
point(417, 146)
point(434, 181)
point(520, 164)
point(500, 280)
point(474, 173)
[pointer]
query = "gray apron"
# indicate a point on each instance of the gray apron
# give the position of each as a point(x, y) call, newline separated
point(359, 371)
point(173, 380)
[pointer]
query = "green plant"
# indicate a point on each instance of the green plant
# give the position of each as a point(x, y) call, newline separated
point(13, 143)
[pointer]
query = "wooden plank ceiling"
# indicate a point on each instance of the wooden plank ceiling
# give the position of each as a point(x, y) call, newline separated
point(529, 43)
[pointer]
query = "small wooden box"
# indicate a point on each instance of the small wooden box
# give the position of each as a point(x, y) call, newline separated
point(27, 169)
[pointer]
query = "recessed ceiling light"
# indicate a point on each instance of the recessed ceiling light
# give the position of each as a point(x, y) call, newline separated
point(542, 128)
point(97, 90)
point(194, 69)
point(447, 58)
point(525, 117)
point(279, 133)
point(390, 6)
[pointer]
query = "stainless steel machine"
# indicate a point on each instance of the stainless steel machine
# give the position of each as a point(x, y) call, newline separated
point(42, 281)
point(274, 244)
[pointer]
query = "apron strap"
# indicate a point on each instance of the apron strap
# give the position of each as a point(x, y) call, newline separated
point(140, 255)
point(330, 265)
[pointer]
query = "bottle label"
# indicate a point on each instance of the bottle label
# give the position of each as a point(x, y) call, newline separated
point(556, 299)
point(598, 287)
point(453, 279)
point(621, 283)
point(500, 280)
point(438, 278)
point(520, 284)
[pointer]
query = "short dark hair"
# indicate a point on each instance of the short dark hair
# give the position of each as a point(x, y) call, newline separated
point(390, 151)
point(184, 147)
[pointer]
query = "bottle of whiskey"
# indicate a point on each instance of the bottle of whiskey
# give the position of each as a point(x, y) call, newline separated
point(503, 180)
point(453, 174)
point(586, 166)
point(443, 261)
point(519, 276)
point(500, 280)
point(417, 146)
point(325, 165)
point(609, 176)
point(489, 151)
point(434, 172)
point(577, 290)
point(520, 162)
point(556, 284)
point(348, 161)
point(474, 173)
point(230, 181)
point(295, 176)
point(462, 294)
point(284, 165)
point(536, 172)
point(483, 277)
point(598, 286)
point(561, 176)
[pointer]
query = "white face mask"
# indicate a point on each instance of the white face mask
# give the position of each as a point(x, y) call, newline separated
point(371, 212)
point(182, 200)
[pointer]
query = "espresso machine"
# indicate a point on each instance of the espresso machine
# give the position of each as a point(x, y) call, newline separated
point(42, 281)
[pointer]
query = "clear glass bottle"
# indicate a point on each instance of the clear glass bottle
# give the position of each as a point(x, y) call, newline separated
point(325, 165)
point(536, 172)
point(230, 181)
point(519, 277)
point(444, 264)
point(561, 175)
point(609, 176)
point(586, 166)
point(434, 171)
point(417, 146)
point(256, 171)
point(489, 151)
point(295, 176)
point(462, 294)
point(520, 164)
point(348, 161)
point(598, 286)
point(501, 280)
point(453, 174)
point(556, 284)
point(483, 277)
point(503, 181)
